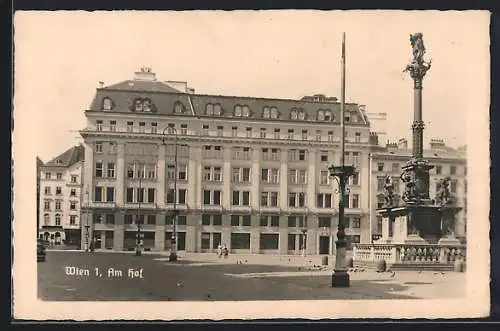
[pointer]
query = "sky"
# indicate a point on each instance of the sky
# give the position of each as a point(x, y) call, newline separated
point(61, 56)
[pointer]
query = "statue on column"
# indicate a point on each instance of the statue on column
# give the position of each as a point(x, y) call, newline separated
point(418, 48)
point(388, 191)
point(409, 193)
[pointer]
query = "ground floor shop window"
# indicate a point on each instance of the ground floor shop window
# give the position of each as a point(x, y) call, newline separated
point(181, 241)
point(240, 240)
point(110, 239)
point(205, 240)
point(291, 242)
point(269, 240)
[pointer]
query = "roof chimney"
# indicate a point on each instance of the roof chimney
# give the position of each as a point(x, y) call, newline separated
point(101, 84)
point(145, 74)
point(437, 144)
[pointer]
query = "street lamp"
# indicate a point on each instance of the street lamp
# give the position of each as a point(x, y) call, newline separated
point(341, 174)
point(173, 215)
point(140, 196)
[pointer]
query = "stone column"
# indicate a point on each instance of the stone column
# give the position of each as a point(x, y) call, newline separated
point(119, 231)
point(283, 241)
point(255, 180)
point(161, 181)
point(311, 180)
point(254, 240)
point(226, 179)
point(283, 194)
point(120, 174)
point(160, 232)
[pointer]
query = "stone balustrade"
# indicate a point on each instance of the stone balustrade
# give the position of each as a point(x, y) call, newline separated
point(408, 254)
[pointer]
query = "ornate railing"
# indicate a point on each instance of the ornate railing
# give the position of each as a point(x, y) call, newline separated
point(409, 253)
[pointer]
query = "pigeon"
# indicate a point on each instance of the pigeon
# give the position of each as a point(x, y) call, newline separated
point(393, 274)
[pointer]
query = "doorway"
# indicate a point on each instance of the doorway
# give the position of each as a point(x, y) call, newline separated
point(324, 245)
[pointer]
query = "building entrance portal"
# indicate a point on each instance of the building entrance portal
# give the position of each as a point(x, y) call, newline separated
point(324, 245)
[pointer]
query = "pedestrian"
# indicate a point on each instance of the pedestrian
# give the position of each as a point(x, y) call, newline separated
point(226, 252)
point(219, 250)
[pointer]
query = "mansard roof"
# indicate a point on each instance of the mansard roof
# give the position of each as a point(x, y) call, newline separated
point(68, 157)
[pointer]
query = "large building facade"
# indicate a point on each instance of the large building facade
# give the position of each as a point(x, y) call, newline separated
point(250, 173)
point(60, 182)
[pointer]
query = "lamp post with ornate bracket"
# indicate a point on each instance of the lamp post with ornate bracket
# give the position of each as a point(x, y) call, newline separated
point(341, 174)
point(173, 215)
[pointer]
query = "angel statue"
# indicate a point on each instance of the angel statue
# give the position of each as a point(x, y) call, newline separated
point(410, 189)
point(417, 44)
point(443, 191)
point(388, 191)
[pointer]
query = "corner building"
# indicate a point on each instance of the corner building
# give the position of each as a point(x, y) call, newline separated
point(252, 173)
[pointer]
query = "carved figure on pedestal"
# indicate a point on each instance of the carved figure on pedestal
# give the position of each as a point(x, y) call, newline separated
point(388, 191)
point(418, 48)
point(443, 196)
point(410, 192)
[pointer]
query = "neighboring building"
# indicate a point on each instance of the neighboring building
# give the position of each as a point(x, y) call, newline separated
point(60, 193)
point(39, 163)
point(252, 173)
point(447, 161)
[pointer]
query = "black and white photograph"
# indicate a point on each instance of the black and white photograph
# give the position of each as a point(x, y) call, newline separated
point(251, 164)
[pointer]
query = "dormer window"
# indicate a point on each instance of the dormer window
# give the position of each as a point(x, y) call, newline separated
point(266, 113)
point(179, 108)
point(217, 109)
point(274, 113)
point(297, 114)
point(209, 110)
point(138, 105)
point(325, 115)
point(293, 114)
point(321, 115)
point(302, 115)
point(241, 111)
point(107, 104)
point(146, 105)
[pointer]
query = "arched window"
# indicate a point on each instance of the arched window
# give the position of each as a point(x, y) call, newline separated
point(217, 109)
point(266, 112)
point(178, 108)
point(107, 104)
point(246, 111)
point(274, 113)
point(58, 220)
point(46, 219)
point(209, 110)
point(237, 111)
point(293, 114)
point(302, 115)
point(321, 115)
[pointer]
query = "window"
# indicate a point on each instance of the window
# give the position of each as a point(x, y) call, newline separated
point(151, 171)
point(302, 155)
point(297, 221)
point(58, 205)
point(181, 196)
point(206, 197)
point(234, 131)
point(355, 223)
point(98, 169)
point(270, 175)
point(142, 127)
point(47, 190)
point(380, 166)
point(140, 194)
point(324, 178)
point(72, 205)
point(151, 195)
point(235, 220)
point(110, 194)
point(72, 219)
point(170, 195)
point(276, 133)
point(330, 136)
point(98, 194)
point(204, 129)
point(453, 186)
point(324, 156)
point(304, 134)
point(212, 174)
point(438, 170)
point(269, 241)
point(266, 113)
point(178, 108)
point(355, 201)
point(151, 219)
point(240, 240)
point(296, 199)
point(380, 183)
point(72, 193)
point(212, 152)
point(98, 147)
point(355, 157)
point(453, 170)
point(355, 179)
point(249, 132)
point(220, 131)
point(107, 104)
point(184, 129)
point(112, 126)
point(74, 178)
point(290, 134)
point(111, 170)
point(241, 175)
point(263, 132)
point(182, 175)
point(154, 127)
point(58, 220)
point(58, 176)
point(324, 200)
point(46, 205)
point(128, 219)
point(170, 171)
point(112, 148)
point(98, 125)
point(110, 218)
point(47, 175)
point(130, 126)
point(324, 222)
